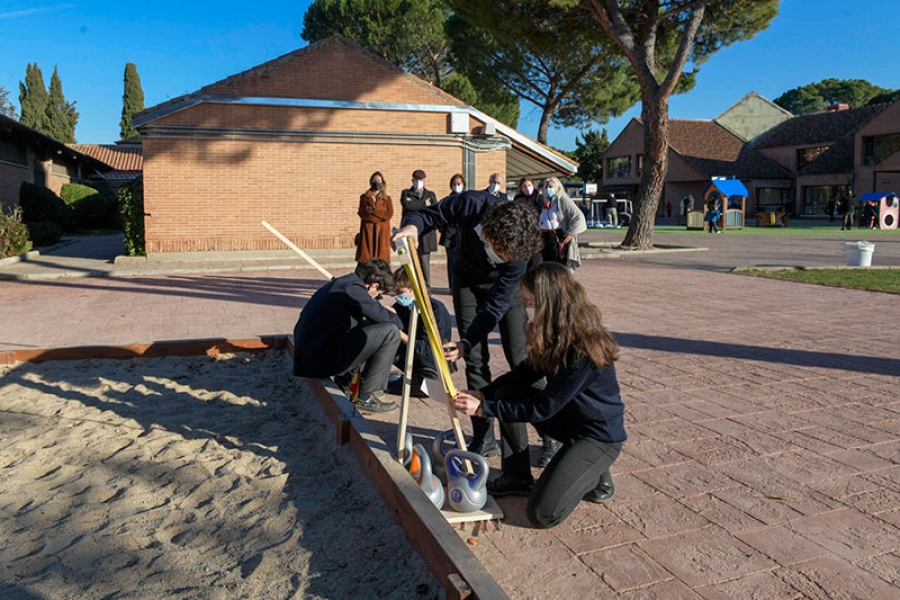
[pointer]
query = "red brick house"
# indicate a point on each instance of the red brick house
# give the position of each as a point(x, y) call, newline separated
point(26, 155)
point(294, 141)
point(125, 163)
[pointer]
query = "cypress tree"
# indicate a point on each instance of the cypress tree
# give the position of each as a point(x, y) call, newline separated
point(33, 99)
point(61, 115)
point(132, 101)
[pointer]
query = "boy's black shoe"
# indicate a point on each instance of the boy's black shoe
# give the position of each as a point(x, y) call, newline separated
point(548, 451)
point(604, 491)
point(506, 485)
point(374, 404)
point(487, 448)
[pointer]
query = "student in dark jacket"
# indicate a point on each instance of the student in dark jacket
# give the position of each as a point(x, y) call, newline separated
point(424, 366)
point(343, 326)
point(581, 404)
point(415, 199)
point(495, 238)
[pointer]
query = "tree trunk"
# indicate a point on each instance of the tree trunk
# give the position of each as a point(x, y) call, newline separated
point(544, 126)
point(655, 115)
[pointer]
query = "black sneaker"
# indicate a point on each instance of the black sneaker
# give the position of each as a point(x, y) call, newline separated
point(487, 448)
point(375, 404)
point(506, 485)
point(548, 451)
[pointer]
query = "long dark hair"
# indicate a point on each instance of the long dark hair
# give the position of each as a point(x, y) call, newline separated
point(567, 325)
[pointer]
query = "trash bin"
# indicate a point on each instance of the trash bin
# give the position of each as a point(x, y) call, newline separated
point(859, 254)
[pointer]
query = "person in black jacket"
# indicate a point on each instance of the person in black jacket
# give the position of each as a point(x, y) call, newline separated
point(343, 327)
point(581, 405)
point(495, 238)
point(423, 366)
point(415, 199)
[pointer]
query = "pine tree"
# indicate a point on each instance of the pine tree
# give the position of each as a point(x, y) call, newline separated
point(132, 101)
point(7, 108)
point(61, 115)
point(33, 99)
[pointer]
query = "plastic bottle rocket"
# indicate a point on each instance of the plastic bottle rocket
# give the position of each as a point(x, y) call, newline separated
point(420, 469)
point(466, 492)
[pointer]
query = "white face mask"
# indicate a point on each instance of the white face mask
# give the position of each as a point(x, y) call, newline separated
point(495, 188)
point(418, 184)
point(457, 188)
point(492, 256)
point(529, 313)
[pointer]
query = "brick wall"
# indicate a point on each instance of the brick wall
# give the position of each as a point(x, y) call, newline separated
point(207, 190)
point(11, 178)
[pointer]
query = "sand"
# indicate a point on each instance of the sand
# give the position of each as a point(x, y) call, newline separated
point(206, 477)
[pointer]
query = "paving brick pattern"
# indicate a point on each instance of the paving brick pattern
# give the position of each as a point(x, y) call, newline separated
point(763, 458)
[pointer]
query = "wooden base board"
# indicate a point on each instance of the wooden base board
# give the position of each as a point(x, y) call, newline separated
point(490, 512)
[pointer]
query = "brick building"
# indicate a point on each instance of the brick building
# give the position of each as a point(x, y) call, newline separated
point(26, 155)
point(294, 141)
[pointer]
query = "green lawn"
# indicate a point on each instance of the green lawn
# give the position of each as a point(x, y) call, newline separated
point(879, 280)
point(797, 228)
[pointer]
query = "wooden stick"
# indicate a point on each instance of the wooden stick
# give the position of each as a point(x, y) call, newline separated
point(294, 247)
point(406, 251)
point(407, 384)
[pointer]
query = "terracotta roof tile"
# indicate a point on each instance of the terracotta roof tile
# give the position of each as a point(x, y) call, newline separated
point(120, 157)
point(713, 150)
point(819, 128)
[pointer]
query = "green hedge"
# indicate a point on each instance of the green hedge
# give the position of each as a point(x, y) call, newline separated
point(13, 234)
point(89, 208)
point(131, 200)
point(44, 233)
point(41, 205)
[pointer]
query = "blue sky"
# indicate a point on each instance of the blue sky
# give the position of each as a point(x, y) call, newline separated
point(179, 47)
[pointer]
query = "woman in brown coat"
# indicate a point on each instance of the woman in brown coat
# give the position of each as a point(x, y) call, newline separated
point(375, 212)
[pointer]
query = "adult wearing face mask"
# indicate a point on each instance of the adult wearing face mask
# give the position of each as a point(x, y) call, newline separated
point(415, 199)
point(495, 238)
point(497, 186)
point(375, 212)
point(528, 193)
point(561, 221)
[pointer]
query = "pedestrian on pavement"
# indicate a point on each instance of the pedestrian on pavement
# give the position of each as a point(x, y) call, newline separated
point(495, 238)
point(414, 199)
point(581, 404)
point(344, 327)
point(612, 211)
point(375, 212)
point(847, 204)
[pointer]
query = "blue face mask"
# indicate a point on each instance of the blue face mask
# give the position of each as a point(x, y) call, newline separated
point(551, 192)
point(492, 256)
point(404, 300)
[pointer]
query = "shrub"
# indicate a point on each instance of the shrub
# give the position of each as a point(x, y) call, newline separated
point(44, 233)
point(89, 208)
point(13, 234)
point(41, 205)
point(131, 199)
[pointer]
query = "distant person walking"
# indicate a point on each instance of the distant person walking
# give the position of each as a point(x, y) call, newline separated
point(847, 204)
point(612, 211)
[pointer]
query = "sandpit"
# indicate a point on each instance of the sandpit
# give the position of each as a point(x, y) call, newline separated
point(205, 477)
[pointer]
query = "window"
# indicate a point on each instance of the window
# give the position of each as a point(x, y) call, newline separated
point(815, 199)
point(807, 155)
point(773, 200)
point(13, 153)
point(877, 148)
point(619, 167)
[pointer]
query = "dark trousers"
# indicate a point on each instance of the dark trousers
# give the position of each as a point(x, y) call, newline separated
point(374, 344)
point(573, 472)
point(425, 262)
point(466, 301)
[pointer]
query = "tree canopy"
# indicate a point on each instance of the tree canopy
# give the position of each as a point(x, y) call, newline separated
point(410, 34)
point(61, 115)
point(816, 97)
point(548, 57)
point(33, 99)
point(589, 151)
point(7, 108)
point(659, 38)
point(132, 101)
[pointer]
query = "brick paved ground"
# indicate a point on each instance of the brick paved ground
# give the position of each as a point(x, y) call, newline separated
point(764, 421)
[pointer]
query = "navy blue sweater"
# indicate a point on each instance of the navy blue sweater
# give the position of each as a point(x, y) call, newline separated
point(469, 261)
point(337, 307)
point(580, 401)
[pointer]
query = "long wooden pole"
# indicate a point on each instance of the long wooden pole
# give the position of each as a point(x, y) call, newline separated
point(294, 247)
point(407, 384)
